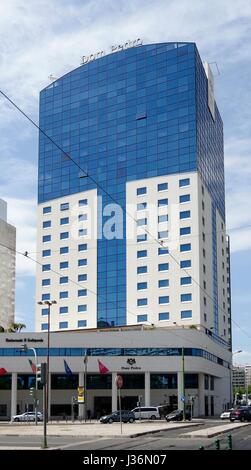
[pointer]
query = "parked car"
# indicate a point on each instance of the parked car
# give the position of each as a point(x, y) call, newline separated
point(177, 415)
point(147, 412)
point(226, 414)
point(28, 416)
point(241, 413)
point(126, 416)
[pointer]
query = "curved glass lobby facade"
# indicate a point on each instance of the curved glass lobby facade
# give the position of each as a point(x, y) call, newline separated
point(134, 114)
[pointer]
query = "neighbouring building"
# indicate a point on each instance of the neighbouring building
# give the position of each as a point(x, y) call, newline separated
point(8, 267)
point(238, 377)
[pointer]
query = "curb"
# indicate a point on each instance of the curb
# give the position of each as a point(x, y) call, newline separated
point(214, 433)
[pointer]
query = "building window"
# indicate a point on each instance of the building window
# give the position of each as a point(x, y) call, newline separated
point(185, 231)
point(82, 217)
point(142, 237)
point(163, 267)
point(82, 232)
point(82, 323)
point(141, 191)
point(163, 283)
point(63, 324)
point(46, 296)
point(46, 282)
point(204, 269)
point(47, 224)
point(64, 265)
point(185, 314)
point(164, 299)
point(184, 182)
point(141, 285)
point(185, 247)
point(64, 206)
point(186, 263)
point(63, 280)
point(83, 202)
point(63, 310)
point(203, 221)
point(45, 311)
point(162, 218)
point(185, 198)
point(44, 326)
point(64, 221)
point(142, 302)
point(141, 269)
point(203, 205)
point(185, 280)
point(46, 253)
point(163, 234)
point(82, 308)
point(46, 238)
point(46, 210)
point(162, 202)
point(46, 267)
point(185, 214)
point(82, 247)
point(162, 187)
point(141, 318)
point(82, 262)
point(141, 206)
point(141, 222)
point(186, 297)
point(82, 292)
point(82, 277)
point(163, 316)
point(63, 294)
point(64, 250)
point(64, 235)
point(203, 237)
point(163, 251)
point(205, 317)
point(142, 254)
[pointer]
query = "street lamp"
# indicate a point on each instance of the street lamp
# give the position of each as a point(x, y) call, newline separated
point(85, 386)
point(183, 380)
point(48, 303)
point(25, 348)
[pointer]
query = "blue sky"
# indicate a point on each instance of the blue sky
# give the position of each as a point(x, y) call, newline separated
point(49, 37)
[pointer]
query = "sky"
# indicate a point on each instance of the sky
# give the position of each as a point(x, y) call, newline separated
point(47, 37)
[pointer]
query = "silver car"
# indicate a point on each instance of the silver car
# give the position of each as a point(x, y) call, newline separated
point(28, 416)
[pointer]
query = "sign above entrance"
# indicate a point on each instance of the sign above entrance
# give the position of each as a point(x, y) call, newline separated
point(118, 47)
point(131, 361)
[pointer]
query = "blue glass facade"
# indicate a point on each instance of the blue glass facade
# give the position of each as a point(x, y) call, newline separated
point(133, 114)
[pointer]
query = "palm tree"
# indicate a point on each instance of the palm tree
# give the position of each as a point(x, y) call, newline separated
point(16, 327)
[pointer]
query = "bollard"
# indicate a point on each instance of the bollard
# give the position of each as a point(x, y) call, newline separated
point(217, 444)
point(229, 442)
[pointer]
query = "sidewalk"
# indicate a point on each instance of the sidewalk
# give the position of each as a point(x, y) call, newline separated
point(93, 429)
point(214, 431)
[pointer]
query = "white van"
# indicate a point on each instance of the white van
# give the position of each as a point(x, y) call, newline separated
point(147, 412)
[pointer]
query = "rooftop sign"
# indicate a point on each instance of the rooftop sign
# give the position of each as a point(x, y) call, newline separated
point(118, 47)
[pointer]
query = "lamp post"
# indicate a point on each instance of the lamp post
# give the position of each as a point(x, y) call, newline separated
point(25, 348)
point(183, 380)
point(231, 384)
point(85, 386)
point(48, 303)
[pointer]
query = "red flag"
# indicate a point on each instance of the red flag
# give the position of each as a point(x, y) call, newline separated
point(102, 368)
point(3, 371)
point(33, 367)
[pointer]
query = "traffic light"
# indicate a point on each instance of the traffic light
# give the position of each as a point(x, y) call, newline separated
point(33, 392)
point(41, 373)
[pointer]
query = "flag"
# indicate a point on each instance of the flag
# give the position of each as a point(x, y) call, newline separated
point(33, 367)
point(67, 368)
point(102, 368)
point(3, 371)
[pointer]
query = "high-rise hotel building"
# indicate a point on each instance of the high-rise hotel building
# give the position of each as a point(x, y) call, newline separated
point(131, 227)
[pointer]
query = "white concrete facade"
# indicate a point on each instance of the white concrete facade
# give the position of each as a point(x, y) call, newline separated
point(130, 352)
point(8, 268)
point(74, 307)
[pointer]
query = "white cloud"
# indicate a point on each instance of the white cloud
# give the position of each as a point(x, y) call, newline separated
point(242, 358)
point(22, 214)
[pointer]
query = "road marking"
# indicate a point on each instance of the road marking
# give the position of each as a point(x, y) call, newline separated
point(76, 443)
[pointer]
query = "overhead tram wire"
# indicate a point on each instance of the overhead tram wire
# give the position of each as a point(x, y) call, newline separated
point(159, 242)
